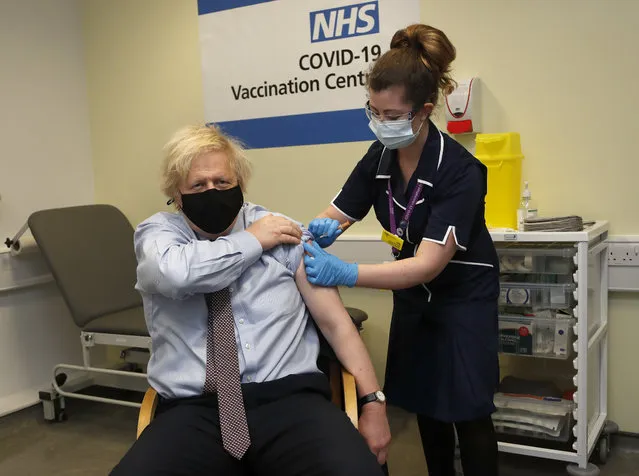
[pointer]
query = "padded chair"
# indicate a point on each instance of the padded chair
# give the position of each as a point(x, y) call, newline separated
point(89, 251)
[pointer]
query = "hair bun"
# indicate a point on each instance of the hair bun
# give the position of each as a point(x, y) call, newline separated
point(435, 50)
point(404, 39)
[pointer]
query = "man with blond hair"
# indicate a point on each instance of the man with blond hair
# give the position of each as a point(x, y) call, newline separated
point(234, 357)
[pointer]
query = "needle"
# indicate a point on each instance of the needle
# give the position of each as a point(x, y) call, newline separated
point(342, 227)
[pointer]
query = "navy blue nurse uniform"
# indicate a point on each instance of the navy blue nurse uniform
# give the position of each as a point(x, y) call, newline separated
point(442, 352)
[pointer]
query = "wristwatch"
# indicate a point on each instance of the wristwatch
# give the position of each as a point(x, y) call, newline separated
point(372, 397)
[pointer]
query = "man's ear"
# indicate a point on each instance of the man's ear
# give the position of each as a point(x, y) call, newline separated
point(171, 201)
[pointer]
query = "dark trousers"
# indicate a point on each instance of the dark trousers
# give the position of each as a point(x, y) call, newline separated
point(295, 430)
point(477, 446)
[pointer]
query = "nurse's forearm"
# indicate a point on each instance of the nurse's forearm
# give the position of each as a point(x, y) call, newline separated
point(331, 212)
point(430, 260)
point(396, 275)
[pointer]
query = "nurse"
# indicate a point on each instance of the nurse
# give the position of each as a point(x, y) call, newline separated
point(428, 195)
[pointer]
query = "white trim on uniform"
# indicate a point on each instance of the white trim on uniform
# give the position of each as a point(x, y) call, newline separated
point(418, 202)
point(430, 294)
point(471, 263)
point(425, 182)
point(377, 175)
point(441, 149)
point(347, 216)
point(451, 228)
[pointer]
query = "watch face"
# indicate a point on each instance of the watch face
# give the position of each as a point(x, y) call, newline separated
point(380, 396)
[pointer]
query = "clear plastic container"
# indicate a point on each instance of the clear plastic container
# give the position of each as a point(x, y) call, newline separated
point(547, 338)
point(536, 296)
point(536, 417)
point(537, 260)
point(527, 208)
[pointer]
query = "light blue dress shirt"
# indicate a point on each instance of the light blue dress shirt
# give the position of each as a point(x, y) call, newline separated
point(176, 268)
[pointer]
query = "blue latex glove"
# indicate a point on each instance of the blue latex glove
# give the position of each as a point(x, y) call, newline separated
point(324, 226)
point(324, 269)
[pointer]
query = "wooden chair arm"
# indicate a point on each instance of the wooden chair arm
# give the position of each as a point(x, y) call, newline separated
point(147, 410)
point(350, 396)
point(151, 398)
point(335, 379)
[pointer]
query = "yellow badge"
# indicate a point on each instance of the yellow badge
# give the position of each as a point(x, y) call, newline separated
point(393, 240)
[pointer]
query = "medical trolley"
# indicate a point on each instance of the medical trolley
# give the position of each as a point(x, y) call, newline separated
point(553, 327)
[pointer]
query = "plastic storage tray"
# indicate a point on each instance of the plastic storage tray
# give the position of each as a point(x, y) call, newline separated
point(548, 338)
point(538, 260)
point(536, 417)
point(537, 296)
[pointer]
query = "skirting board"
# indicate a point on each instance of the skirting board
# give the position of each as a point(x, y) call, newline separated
point(626, 441)
point(75, 382)
point(20, 400)
point(29, 397)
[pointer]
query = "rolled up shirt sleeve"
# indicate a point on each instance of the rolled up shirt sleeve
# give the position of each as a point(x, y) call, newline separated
point(294, 255)
point(288, 255)
point(177, 266)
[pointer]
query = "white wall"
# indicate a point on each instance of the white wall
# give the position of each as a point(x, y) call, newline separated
point(45, 162)
point(44, 121)
point(36, 332)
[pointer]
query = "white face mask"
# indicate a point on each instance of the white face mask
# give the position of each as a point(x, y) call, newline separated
point(394, 134)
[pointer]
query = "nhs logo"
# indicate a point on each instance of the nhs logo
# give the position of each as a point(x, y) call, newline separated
point(342, 22)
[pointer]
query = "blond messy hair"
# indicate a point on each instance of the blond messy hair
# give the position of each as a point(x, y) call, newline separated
point(191, 142)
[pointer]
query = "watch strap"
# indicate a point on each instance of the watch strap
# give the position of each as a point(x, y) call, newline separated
point(371, 397)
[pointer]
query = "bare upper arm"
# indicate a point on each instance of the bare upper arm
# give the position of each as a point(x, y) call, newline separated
point(324, 303)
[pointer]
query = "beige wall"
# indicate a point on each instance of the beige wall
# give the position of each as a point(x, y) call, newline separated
point(143, 73)
point(559, 72)
point(44, 110)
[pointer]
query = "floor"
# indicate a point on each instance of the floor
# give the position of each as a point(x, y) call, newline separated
point(96, 436)
point(406, 457)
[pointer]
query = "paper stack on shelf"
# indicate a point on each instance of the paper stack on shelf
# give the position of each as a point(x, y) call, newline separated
point(532, 408)
point(565, 223)
point(538, 416)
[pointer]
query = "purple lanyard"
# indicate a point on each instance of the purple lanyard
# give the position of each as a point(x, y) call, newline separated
point(403, 225)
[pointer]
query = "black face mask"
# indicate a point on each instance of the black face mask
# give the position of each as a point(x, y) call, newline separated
point(213, 211)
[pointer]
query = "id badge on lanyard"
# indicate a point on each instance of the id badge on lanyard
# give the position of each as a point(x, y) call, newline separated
point(396, 236)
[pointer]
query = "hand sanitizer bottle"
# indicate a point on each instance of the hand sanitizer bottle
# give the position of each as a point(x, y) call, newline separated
point(527, 208)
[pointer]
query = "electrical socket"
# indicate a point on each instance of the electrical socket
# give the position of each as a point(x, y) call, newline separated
point(623, 254)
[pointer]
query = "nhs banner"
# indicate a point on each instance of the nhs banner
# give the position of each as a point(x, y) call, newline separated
point(282, 73)
point(362, 19)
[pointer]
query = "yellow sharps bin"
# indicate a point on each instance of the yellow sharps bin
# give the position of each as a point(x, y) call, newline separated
point(501, 154)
